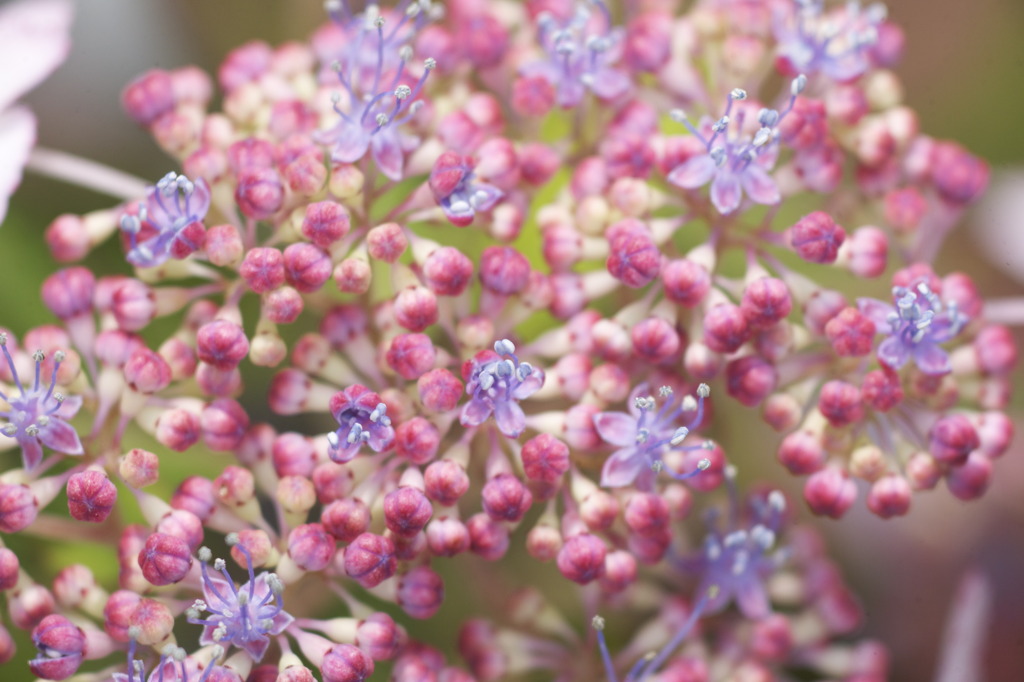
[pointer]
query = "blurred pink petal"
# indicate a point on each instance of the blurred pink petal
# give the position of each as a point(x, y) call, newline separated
point(17, 135)
point(963, 644)
point(34, 40)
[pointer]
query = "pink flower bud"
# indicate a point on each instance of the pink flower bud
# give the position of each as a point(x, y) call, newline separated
point(165, 559)
point(260, 192)
point(816, 238)
point(91, 496)
point(750, 379)
point(772, 638)
point(841, 403)
point(346, 519)
point(882, 389)
point(953, 438)
point(29, 606)
point(197, 495)
point(310, 547)
point(9, 567)
point(889, 496)
point(370, 559)
point(447, 271)
point(766, 301)
point(222, 344)
point(543, 542)
point(223, 245)
point(325, 223)
point(380, 637)
point(620, 571)
point(178, 429)
point(970, 479)
point(415, 308)
point(387, 242)
point(545, 458)
point(646, 514)
point(581, 558)
point(905, 208)
point(685, 282)
point(802, 453)
point(445, 481)
point(598, 510)
point(805, 127)
point(147, 372)
point(867, 251)
point(505, 498)
point(148, 97)
point(995, 350)
point(223, 423)
point(18, 507)
point(959, 176)
point(447, 537)
point(67, 238)
point(235, 486)
point(258, 545)
point(346, 663)
point(851, 333)
point(293, 455)
point(68, 292)
point(488, 539)
point(263, 269)
point(133, 305)
point(439, 390)
point(332, 481)
point(633, 257)
point(306, 267)
point(830, 492)
point(503, 270)
point(648, 45)
point(406, 511)
point(183, 525)
point(153, 621)
point(117, 614)
point(821, 308)
point(655, 340)
point(725, 328)
point(61, 646)
point(417, 440)
point(420, 592)
point(306, 174)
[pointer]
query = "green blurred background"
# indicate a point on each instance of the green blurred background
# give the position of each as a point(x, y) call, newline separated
point(961, 73)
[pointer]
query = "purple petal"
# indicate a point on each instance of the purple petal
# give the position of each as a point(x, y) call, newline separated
point(483, 197)
point(256, 648)
point(350, 143)
point(609, 83)
point(387, 152)
point(60, 436)
point(931, 359)
point(530, 385)
point(943, 328)
point(457, 208)
point(34, 41)
point(475, 412)
point(216, 590)
point(380, 437)
point(751, 598)
point(876, 311)
point(893, 352)
point(622, 468)
point(570, 92)
point(725, 192)
point(31, 453)
point(693, 173)
point(759, 186)
point(70, 407)
point(17, 135)
point(344, 454)
point(616, 428)
point(280, 622)
point(510, 418)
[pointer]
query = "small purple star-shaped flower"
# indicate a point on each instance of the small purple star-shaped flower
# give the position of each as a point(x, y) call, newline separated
point(497, 381)
point(735, 164)
point(578, 60)
point(917, 324)
point(169, 224)
point(37, 416)
point(362, 419)
point(644, 436)
point(246, 616)
point(835, 44)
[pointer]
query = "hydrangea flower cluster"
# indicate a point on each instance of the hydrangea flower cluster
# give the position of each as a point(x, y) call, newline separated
point(364, 394)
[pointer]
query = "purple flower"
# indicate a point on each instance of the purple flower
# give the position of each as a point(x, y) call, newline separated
point(734, 164)
point(497, 381)
point(579, 59)
point(37, 417)
point(456, 191)
point(246, 616)
point(644, 436)
point(362, 418)
point(917, 324)
point(174, 666)
point(375, 105)
point(836, 45)
point(34, 41)
point(170, 224)
point(735, 562)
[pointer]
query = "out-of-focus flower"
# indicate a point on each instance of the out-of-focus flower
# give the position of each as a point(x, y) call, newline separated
point(34, 41)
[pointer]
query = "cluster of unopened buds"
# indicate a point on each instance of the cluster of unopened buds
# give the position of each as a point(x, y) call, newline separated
point(502, 282)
